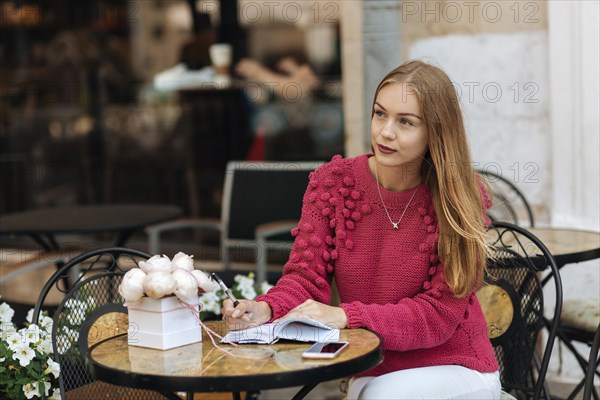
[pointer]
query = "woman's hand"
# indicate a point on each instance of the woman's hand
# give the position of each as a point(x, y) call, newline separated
point(326, 314)
point(248, 313)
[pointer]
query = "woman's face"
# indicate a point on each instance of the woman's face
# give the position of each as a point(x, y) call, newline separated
point(398, 133)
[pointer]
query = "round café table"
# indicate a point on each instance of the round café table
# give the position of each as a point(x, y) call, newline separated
point(201, 367)
point(43, 225)
point(569, 246)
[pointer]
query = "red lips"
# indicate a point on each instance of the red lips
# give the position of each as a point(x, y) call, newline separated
point(385, 149)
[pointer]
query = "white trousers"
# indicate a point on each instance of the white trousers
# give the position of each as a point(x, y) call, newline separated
point(439, 382)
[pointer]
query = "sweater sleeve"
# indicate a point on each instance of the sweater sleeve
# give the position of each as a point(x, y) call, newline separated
point(306, 275)
point(426, 320)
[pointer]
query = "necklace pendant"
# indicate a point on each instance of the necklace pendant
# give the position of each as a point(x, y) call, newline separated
point(395, 225)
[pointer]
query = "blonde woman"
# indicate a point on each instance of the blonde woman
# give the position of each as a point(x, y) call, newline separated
point(401, 230)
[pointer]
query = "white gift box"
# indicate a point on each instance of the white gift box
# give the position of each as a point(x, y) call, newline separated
point(162, 323)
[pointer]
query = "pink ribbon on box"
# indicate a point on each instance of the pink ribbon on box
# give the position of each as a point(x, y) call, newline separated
point(209, 332)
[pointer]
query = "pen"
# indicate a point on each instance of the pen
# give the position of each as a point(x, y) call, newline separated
point(216, 278)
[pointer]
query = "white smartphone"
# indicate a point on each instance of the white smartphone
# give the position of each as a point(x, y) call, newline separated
point(325, 350)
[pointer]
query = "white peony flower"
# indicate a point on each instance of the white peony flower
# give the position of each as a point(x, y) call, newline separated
point(159, 284)
point(203, 281)
point(182, 260)
point(6, 313)
point(156, 263)
point(187, 286)
point(132, 286)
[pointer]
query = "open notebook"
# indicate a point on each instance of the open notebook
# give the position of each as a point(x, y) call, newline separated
point(299, 329)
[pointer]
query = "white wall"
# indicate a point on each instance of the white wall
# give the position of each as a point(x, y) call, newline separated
point(573, 46)
point(502, 82)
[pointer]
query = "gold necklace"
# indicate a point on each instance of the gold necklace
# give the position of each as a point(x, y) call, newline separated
point(394, 224)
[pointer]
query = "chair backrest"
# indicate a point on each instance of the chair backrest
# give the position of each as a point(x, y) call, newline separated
point(91, 303)
point(508, 203)
point(593, 362)
point(260, 192)
point(513, 302)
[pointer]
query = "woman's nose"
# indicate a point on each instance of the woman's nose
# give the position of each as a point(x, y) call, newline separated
point(387, 131)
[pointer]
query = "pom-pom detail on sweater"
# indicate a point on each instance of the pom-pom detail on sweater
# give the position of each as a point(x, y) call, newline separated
point(308, 228)
point(315, 241)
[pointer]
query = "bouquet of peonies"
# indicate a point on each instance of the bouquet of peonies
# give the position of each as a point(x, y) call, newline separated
point(26, 369)
point(160, 277)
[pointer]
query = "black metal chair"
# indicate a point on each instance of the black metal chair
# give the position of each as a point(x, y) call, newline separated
point(258, 198)
point(593, 362)
point(508, 203)
point(92, 309)
point(513, 303)
point(577, 326)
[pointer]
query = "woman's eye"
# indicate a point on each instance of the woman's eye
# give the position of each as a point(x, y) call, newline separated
point(406, 122)
point(379, 113)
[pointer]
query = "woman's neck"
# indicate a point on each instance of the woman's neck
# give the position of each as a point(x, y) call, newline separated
point(395, 179)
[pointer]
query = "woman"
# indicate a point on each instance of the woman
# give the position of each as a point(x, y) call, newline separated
point(407, 220)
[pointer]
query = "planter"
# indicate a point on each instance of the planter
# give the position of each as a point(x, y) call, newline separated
point(162, 323)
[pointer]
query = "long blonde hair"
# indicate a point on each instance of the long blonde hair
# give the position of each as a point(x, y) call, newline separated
point(448, 171)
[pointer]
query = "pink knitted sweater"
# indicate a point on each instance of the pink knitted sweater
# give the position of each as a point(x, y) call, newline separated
point(389, 281)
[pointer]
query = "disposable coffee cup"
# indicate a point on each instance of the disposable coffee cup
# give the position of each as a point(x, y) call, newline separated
point(220, 57)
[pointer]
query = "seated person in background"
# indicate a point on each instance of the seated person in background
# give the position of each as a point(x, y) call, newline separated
point(194, 53)
point(402, 231)
point(292, 73)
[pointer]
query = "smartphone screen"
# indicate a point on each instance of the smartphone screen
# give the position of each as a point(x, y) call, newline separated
point(325, 350)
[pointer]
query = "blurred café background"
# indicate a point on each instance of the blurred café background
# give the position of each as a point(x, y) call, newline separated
point(108, 101)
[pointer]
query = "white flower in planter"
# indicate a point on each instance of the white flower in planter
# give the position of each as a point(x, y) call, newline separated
point(6, 313)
